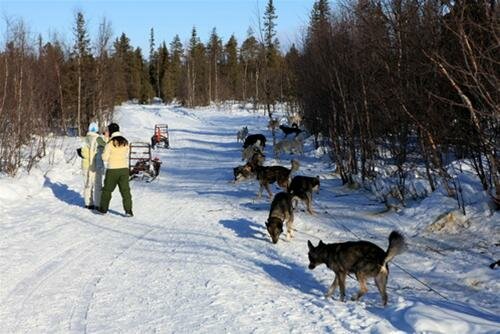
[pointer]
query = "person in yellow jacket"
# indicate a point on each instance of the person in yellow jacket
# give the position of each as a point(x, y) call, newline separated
point(92, 166)
point(115, 156)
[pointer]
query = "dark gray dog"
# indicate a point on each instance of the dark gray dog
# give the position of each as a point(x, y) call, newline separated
point(302, 187)
point(281, 211)
point(288, 130)
point(253, 139)
point(362, 258)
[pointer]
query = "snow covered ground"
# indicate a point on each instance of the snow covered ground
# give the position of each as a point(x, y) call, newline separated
point(196, 258)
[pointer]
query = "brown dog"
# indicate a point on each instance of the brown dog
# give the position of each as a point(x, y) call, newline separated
point(267, 175)
point(281, 212)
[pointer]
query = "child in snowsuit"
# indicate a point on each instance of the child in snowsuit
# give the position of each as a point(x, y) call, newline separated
point(115, 156)
point(92, 166)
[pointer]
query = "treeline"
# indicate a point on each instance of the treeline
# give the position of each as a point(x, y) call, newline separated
point(57, 87)
point(50, 87)
point(412, 82)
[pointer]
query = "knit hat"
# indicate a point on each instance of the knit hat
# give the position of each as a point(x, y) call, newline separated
point(93, 127)
point(112, 128)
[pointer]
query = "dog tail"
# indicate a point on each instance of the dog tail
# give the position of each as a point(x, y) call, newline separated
point(397, 245)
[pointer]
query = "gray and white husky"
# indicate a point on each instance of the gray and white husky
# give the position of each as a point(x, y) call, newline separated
point(242, 134)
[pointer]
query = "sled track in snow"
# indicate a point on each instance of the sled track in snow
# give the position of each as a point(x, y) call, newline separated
point(79, 315)
point(25, 289)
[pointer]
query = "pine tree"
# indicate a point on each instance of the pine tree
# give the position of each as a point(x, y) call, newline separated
point(146, 91)
point(196, 73)
point(270, 60)
point(231, 67)
point(249, 54)
point(191, 67)
point(270, 25)
point(128, 85)
point(163, 71)
point(176, 52)
point(154, 68)
point(292, 59)
point(214, 51)
point(81, 51)
point(104, 83)
point(320, 13)
point(320, 20)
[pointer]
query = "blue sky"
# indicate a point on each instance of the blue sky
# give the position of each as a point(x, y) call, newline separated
point(167, 17)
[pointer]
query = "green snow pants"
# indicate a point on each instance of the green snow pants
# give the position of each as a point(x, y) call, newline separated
point(113, 178)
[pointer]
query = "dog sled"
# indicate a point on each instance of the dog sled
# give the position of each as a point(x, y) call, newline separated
point(160, 137)
point(141, 165)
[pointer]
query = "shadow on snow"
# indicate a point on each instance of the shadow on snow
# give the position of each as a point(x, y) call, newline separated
point(63, 193)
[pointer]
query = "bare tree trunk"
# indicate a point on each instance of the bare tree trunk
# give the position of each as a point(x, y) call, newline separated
point(216, 82)
point(257, 85)
point(61, 97)
point(245, 81)
point(475, 121)
point(4, 96)
point(210, 82)
point(79, 98)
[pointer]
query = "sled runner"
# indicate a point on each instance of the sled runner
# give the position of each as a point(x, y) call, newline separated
point(160, 137)
point(141, 165)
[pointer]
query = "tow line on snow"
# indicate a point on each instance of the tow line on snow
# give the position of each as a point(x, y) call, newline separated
point(394, 263)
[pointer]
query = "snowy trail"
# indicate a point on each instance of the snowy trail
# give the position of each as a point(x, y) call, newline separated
point(196, 258)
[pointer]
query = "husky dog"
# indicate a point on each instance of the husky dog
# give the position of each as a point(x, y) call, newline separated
point(273, 124)
point(281, 211)
point(242, 134)
point(288, 130)
point(294, 119)
point(144, 168)
point(156, 162)
point(267, 175)
point(248, 152)
point(289, 146)
point(362, 258)
point(248, 170)
point(302, 187)
point(254, 139)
